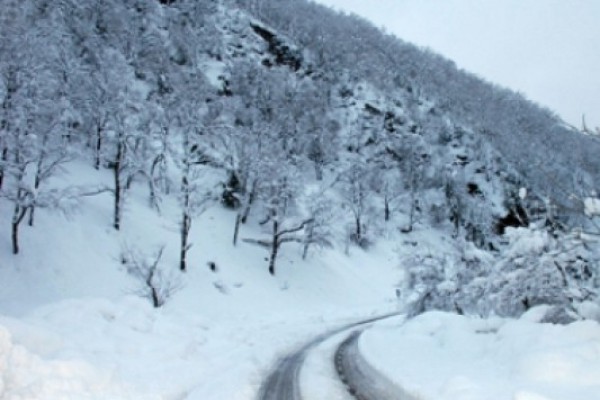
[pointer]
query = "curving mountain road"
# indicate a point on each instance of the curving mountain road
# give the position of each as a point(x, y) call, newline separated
point(361, 379)
point(283, 382)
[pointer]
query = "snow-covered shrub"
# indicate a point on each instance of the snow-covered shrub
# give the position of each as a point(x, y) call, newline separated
point(427, 284)
point(537, 269)
point(154, 283)
point(534, 268)
point(516, 286)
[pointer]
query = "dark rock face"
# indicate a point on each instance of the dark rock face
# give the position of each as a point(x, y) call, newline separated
point(283, 53)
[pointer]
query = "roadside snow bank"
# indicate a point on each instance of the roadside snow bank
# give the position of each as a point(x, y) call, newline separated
point(449, 357)
point(26, 376)
point(97, 349)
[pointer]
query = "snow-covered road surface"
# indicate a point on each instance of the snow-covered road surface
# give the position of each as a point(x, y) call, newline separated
point(283, 382)
point(362, 380)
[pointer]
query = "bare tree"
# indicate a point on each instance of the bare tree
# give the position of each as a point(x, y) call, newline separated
point(155, 284)
point(121, 160)
point(279, 195)
point(354, 186)
point(190, 113)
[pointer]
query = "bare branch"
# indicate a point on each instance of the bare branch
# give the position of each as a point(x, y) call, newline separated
point(258, 242)
point(294, 229)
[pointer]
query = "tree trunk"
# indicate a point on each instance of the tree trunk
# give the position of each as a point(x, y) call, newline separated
point(3, 159)
point(411, 214)
point(274, 247)
point(386, 209)
point(98, 146)
point(152, 183)
point(186, 224)
point(309, 239)
point(358, 228)
point(118, 187)
point(155, 298)
point(186, 221)
point(37, 186)
point(117, 203)
point(236, 230)
point(153, 290)
point(129, 181)
point(15, 237)
point(18, 215)
point(153, 197)
point(248, 204)
point(31, 215)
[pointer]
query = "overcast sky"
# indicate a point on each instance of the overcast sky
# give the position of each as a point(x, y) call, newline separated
point(548, 50)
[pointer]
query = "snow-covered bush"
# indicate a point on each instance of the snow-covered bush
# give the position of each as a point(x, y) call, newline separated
point(534, 268)
point(154, 283)
point(453, 280)
point(427, 285)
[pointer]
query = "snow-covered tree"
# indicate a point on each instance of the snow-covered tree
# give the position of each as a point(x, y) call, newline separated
point(355, 190)
point(120, 146)
point(189, 118)
point(280, 194)
point(539, 269)
point(266, 127)
point(320, 215)
point(34, 139)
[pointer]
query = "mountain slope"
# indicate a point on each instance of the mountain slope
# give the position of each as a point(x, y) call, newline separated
point(258, 171)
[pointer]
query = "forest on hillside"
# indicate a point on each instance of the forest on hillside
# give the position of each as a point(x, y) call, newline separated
point(315, 125)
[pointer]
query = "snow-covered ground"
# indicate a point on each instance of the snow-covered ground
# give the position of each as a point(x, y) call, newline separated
point(72, 327)
point(441, 356)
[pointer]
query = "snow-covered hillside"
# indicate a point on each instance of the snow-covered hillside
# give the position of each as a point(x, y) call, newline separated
point(191, 189)
point(73, 327)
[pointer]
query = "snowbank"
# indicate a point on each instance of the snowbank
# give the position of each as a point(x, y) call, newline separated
point(24, 376)
point(92, 349)
point(449, 357)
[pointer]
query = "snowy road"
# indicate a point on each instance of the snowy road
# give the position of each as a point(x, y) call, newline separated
point(362, 380)
point(283, 382)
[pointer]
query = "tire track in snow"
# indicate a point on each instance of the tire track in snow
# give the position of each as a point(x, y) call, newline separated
point(361, 379)
point(283, 381)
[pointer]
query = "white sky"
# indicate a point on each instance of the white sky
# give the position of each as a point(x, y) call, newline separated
point(548, 50)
